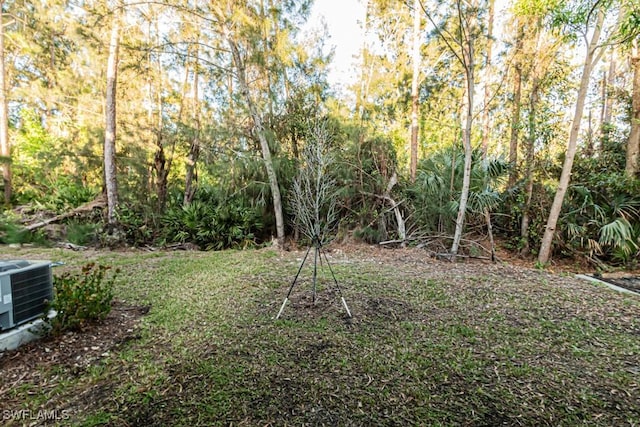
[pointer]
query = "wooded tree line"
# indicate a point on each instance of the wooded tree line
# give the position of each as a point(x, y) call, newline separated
point(469, 118)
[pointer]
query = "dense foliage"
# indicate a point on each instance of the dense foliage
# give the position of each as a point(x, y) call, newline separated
point(207, 108)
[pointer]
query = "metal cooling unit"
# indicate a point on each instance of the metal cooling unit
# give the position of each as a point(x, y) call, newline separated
point(25, 289)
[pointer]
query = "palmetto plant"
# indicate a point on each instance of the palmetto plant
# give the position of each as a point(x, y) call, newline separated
point(437, 189)
point(213, 221)
point(602, 222)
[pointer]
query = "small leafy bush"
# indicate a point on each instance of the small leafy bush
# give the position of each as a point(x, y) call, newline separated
point(82, 298)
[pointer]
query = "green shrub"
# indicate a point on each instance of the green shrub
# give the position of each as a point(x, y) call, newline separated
point(81, 233)
point(66, 193)
point(214, 223)
point(137, 222)
point(368, 235)
point(11, 232)
point(82, 298)
point(47, 170)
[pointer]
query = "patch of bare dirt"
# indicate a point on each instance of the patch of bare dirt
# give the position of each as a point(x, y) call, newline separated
point(74, 351)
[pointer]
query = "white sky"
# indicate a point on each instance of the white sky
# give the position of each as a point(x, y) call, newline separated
point(343, 19)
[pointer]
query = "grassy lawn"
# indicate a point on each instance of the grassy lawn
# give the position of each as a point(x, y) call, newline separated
point(430, 343)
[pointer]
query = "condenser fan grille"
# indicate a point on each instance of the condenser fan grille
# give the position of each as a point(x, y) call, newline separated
point(31, 290)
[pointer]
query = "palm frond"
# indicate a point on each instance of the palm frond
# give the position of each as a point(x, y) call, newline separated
point(618, 234)
point(574, 231)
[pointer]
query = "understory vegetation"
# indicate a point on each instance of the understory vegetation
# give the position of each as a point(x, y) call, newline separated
point(429, 343)
point(124, 131)
point(232, 207)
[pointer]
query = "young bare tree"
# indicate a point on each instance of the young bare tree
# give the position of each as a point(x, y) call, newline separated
point(314, 196)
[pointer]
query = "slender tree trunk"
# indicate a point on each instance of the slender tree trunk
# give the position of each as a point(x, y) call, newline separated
point(161, 163)
point(194, 149)
point(487, 219)
point(415, 58)
point(565, 176)
point(633, 144)
point(589, 137)
point(607, 85)
point(515, 113)
point(531, 139)
point(466, 141)
point(402, 230)
point(110, 120)
point(262, 137)
point(161, 166)
point(515, 126)
point(486, 118)
point(5, 147)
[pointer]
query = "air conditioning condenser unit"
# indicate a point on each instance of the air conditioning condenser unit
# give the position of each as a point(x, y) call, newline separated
point(25, 289)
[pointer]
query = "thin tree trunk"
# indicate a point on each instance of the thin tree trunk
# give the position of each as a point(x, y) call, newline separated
point(261, 134)
point(611, 78)
point(194, 149)
point(589, 137)
point(565, 176)
point(608, 85)
point(486, 119)
point(633, 144)
point(162, 163)
point(162, 171)
point(402, 230)
point(110, 176)
point(5, 147)
point(468, 54)
point(415, 57)
point(531, 138)
point(515, 114)
point(487, 218)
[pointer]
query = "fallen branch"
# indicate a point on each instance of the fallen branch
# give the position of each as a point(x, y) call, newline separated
point(395, 207)
point(98, 202)
point(72, 246)
point(402, 233)
point(451, 257)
